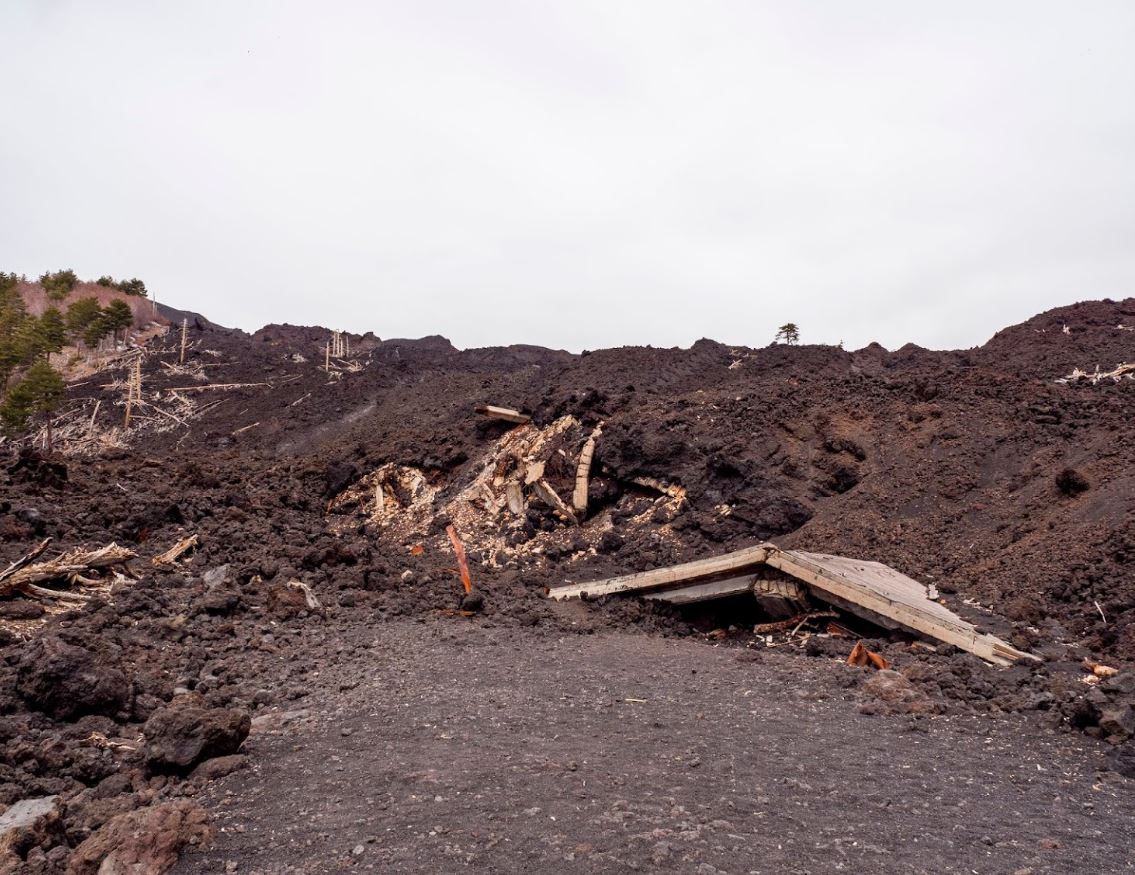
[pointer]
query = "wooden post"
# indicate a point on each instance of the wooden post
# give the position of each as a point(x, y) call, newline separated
point(327, 357)
point(133, 390)
point(184, 338)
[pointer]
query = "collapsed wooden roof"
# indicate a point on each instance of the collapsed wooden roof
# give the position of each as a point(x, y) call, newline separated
point(871, 590)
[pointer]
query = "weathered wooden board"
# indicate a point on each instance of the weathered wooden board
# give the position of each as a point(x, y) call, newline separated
point(660, 577)
point(505, 413)
point(878, 590)
point(703, 592)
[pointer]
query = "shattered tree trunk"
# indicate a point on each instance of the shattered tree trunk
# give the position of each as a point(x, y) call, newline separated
point(24, 575)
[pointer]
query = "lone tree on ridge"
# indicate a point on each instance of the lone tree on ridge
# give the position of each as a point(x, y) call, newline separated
point(788, 333)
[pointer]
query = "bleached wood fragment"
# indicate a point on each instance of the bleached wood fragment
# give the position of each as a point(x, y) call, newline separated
point(583, 472)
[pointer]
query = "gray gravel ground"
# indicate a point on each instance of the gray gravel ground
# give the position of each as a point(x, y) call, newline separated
point(451, 746)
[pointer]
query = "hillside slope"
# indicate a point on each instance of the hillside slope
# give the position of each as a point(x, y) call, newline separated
point(949, 465)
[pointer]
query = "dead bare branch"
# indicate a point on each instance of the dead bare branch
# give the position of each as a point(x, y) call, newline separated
point(175, 552)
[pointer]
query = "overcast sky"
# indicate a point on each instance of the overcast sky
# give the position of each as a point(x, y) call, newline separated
point(579, 174)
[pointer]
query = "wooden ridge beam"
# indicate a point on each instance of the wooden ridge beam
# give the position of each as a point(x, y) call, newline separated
point(661, 577)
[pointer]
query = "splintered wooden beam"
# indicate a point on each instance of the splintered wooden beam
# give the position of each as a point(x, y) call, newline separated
point(704, 592)
point(505, 413)
point(583, 473)
point(175, 552)
point(23, 575)
point(514, 495)
point(551, 498)
point(662, 577)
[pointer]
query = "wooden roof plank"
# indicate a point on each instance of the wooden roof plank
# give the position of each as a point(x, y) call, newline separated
point(702, 592)
point(660, 577)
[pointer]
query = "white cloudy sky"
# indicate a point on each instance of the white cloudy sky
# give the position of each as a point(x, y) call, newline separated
point(582, 173)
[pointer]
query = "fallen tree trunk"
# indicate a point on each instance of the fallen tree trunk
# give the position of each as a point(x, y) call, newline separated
point(23, 576)
point(30, 556)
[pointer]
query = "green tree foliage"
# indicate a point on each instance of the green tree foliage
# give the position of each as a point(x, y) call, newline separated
point(8, 281)
point(13, 316)
point(51, 331)
point(788, 333)
point(129, 287)
point(118, 316)
point(58, 285)
point(82, 313)
point(133, 287)
point(89, 322)
point(38, 394)
point(95, 330)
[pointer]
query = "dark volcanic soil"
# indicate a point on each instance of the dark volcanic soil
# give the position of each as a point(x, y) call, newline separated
point(972, 470)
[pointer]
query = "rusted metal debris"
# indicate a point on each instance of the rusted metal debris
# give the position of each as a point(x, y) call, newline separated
point(861, 656)
point(463, 566)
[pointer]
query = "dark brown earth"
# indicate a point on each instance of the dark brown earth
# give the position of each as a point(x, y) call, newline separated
point(973, 470)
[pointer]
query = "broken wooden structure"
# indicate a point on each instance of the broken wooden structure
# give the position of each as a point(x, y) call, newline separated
point(870, 590)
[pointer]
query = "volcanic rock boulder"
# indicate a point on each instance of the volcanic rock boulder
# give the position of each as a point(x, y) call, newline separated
point(67, 682)
point(1071, 482)
point(889, 692)
point(143, 842)
point(27, 824)
point(183, 734)
point(1118, 721)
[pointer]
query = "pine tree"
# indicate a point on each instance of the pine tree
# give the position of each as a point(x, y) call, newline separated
point(13, 316)
point(58, 285)
point(52, 331)
point(95, 330)
point(118, 316)
point(789, 333)
point(82, 313)
point(134, 287)
point(37, 394)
